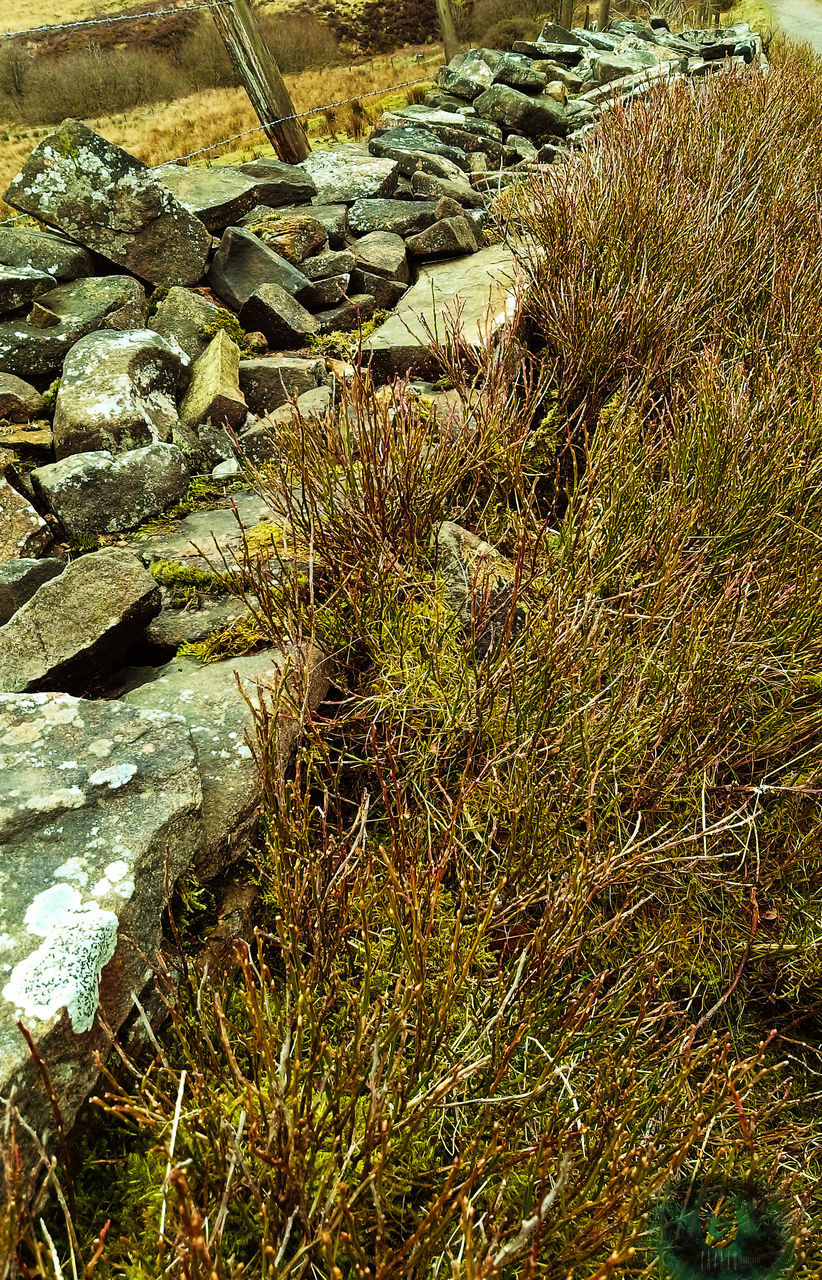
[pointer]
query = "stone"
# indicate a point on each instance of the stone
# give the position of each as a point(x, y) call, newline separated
point(447, 208)
point(383, 253)
point(347, 315)
point(386, 293)
point(349, 172)
point(78, 626)
point(19, 579)
point(243, 263)
point(214, 393)
point(19, 286)
point(479, 582)
point(324, 266)
point(425, 184)
point(272, 381)
point(569, 54)
point(226, 470)
point(98, 493)
point(410, 144)
point(45, 251)
point(283, 320)
point(82, 306)
point(42, 317)
point(175, 626)
point(35, 438)
point(221, 725)
point(614, 66)
point(517, 71)
point(101, 814)
point(480, 288)
point(219, 196)
point(328, 292)
point(19, 401)
point(112, 203)
point(22, 531)
point(466, 76)
point(183, 315)
point(284, 184)
point(402, 217)
point(572, 79)
point(553, 33)
point(535, 117)
point(465, 133)
point(204, 539)
point(117, 392)
point(293, 238)
point(258, 444)
point(446, 239)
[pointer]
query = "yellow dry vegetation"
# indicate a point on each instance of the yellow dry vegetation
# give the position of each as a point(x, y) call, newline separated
point(19, 16)
point(167, 130)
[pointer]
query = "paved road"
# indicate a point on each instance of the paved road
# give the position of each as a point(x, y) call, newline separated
point(801, 20)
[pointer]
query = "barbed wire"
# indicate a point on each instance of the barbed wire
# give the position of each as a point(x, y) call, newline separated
point(120, 17)
point(297, 115)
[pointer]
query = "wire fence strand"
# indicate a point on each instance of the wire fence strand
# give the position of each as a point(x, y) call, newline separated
point(109, 21)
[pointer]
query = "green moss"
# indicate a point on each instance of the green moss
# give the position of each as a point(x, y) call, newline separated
point(204, 493)
point(171, 573)
point(231, 641)
point(226, 322)
point(344, 346)
point(155, 301)
point(50, 398)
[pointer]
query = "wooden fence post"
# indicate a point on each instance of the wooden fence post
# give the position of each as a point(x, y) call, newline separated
point(604, 14)
point(447, 29)
point(255, 65)
point(567, 18)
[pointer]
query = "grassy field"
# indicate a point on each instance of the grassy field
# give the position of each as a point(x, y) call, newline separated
point(537, 937)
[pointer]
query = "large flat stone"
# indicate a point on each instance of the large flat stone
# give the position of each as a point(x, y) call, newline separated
point(349, 172)
point(100, 813)
point(82, 306)
point(219, 196)
point(273, 380)
point(480, 288)
point(185, 317)
point(46, 251)
point(110, 202)
point(200, 540)
point(21, 285)
point(221, 725)
point(77, 627)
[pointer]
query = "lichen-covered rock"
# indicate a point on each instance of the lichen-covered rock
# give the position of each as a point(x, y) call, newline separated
point(96, 493)
point(284, 321)
point(384, 254)
point(185, 317)
point(81, 307)
point(19, 579)
point(467, 134)
point(386, 293)
point(466, 75)
point(348, 315)
point(45, 251)
point(447, 238)
point(284, 184)
point(221, 195)
point(536, 117)
point(402, 217)
point(22, 531)
point(221, 726)
point(259, 443)
point(100, 814)
point(214, 393)
point(77, 627)
point(293, 238)
point(19, 401)
point(19, 286)
point(324, 266)
point(242, 263)
point(426, 184)
point(118, 392)
point(273, 380)
point(412, 145)
point(112, 203)
point(349, 172)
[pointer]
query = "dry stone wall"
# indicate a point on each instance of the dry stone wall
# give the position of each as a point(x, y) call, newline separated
point(123, 763)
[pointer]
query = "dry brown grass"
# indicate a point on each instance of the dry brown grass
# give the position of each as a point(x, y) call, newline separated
point(166, 130)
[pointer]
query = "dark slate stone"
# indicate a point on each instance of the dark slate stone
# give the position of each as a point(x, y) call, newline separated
point(404, 143)
point(403, 217)
point(271, 310)
point(46, 251)
point(19, 579)
point(242, 263)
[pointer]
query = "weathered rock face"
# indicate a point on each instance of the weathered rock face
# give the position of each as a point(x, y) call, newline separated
point(184, 316)
point(324, 266)
point(96, 493)
point(447, 238)
point(273, 380)
point(402, 217)
point(284, 321)
point(22, 532)
point(242, 263)
point(112, 203)
point(483, 286)
point(202, 539)
point(383, 253)
point(285, 184)
point(425, 184)
point(19, 579)
point(221, 195)
point(293, 238)
point(81, 915)
point(45, 251)
point(77, 627)
point(334, 217)
point(466, 76)
point(537, 117)
point(414, 147)
point(214, 394)
point(109, 302)
point(349, 172)
point(221, 724)
point(21, 285)
point(19, 402)
point(117, 392)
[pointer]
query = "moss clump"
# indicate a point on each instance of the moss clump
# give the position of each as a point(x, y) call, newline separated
point(50, 398)
point(231, 641)
point(173, 574)
point(344, 346)
point(156, 300)
point(226, 322)
point(203, 494)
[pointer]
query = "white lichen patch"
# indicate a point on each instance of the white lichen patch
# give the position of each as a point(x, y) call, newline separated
point(114, 776)
point(64, 972)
